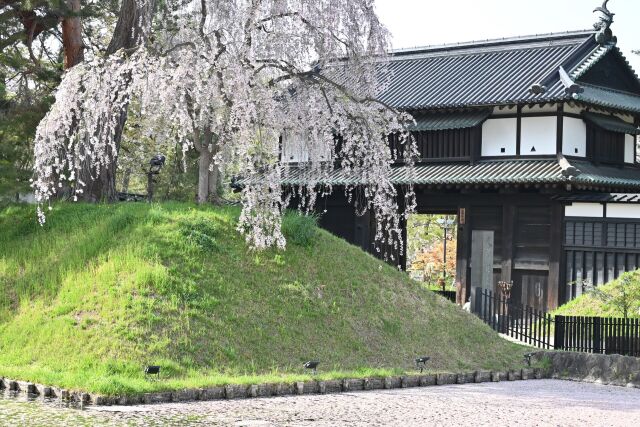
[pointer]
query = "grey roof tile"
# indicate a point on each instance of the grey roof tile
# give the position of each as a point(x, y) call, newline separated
point(633, 198)
point(611, 123)
point(444, 120)
point(483, 73)
point(609, 98)
point(499, 172)
point(590, 174)
point(496, 72)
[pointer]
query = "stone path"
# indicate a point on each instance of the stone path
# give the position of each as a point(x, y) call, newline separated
point(521, 403)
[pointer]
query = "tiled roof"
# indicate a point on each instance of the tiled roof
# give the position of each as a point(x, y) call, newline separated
point(590, 60)
point(487, 172)
point(608, 98)
point(481, 73)
point(590, 174)
point(497, 72)
point(498, 172)
point(600, 197)
point(445, 120)
point(611, 123)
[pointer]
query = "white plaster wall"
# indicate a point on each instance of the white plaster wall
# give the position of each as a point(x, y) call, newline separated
point(590, 210)
point(294, 148)
point(547, 108)
point(574, 137)
point(498, 134)
point(625, 118)
point(297, 148)
point(629, 149)
point(574, 109)
point(320, 147)
point(622, 210)
point(506, 110)
point(539, 133)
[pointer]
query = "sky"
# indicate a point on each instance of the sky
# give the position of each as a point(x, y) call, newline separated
point(428, 22)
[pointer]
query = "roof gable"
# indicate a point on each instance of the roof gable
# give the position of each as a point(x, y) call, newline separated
point(521, 70)
point(491, 72)
point(611, 70)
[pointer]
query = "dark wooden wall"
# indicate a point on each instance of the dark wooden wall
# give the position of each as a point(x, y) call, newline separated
point(527, 239)
point(340, 218)
point(527, 235)
point(604, 146)
point(598, 250)
point(612, 72)
point(454, 144)
point(444, 145)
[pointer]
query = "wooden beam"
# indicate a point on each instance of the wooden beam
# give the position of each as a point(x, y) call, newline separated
point(519, 130)
point(508, 224)
point(555, 256)
point(463, 253)
point(560, 129)
point(476, 144)
point(402, 207)
point(636, 122)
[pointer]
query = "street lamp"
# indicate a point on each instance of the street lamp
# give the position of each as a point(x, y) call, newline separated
point(155, 165)
point(446, 223)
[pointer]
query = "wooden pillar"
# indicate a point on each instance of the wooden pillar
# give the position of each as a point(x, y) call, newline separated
point(402, 208)
point(476, 144)
point(636, 122)
point(560, 129)
point(518, 129)
point(463, 252)
point(508, 224)
point(555, 256)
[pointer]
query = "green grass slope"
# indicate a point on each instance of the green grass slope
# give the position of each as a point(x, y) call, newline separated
point(608, 300)
point(101, 291)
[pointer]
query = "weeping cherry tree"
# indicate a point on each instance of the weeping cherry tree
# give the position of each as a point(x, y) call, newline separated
point(233, 79)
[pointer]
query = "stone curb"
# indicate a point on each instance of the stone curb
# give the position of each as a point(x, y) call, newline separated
point(232, 391)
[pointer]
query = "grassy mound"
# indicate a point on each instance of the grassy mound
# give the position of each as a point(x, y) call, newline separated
point(608, 300)
point(101, 291)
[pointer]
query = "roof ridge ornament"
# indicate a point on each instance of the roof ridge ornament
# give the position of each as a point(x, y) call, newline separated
point(604, 34)
point(538, 89)
point(568, 170)
point(570, 86)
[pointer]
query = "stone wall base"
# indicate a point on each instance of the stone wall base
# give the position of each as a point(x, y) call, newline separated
point(265, 390)
point(607, 369)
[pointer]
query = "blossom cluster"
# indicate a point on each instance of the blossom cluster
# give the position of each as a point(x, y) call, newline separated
point(245, 72)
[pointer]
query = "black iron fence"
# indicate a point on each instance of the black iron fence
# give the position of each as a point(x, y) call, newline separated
point(570, 333)
point(598, 335)
point(526, 324)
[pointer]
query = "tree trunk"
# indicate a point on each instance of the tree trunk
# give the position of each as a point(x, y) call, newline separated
point(72, 35)
point(208, 172)
point(203, 176)
point(214, 184)
point(126, 179)
point(132, 28)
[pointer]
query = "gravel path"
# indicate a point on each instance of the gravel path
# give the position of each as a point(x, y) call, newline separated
point(521, 403)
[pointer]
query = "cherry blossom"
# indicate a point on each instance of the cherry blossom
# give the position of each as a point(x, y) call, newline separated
point(230, 78)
